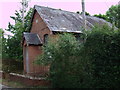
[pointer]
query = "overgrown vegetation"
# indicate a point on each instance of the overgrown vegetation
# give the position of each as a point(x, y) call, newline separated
point(1, 35)
point(12, 54)
point(12, 65)
point(92, 64)
point(17, 84)
point(12, 46)
point(103, 49)
point(112, 15)
point(66, 69)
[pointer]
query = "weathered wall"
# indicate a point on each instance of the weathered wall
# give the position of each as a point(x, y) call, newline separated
point(39, 27)
point(27, 81)
point(24, 59)
point(34, 52)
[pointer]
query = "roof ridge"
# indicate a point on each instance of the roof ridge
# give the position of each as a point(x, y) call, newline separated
point(57, 9)
point(66, 21)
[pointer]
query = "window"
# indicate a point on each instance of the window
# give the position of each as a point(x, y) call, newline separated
point(46, 38)
point(77, 36)
point(36, 20)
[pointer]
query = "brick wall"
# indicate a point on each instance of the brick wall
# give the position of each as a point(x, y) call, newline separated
point(39, 27)
point(26, 80)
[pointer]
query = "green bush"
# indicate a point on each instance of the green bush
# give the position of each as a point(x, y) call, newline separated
point(94, 63)
point(11, 65)
point(66, 70)
point(103, 49)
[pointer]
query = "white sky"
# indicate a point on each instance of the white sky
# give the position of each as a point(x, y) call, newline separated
point(7, 8)
point(60, 0)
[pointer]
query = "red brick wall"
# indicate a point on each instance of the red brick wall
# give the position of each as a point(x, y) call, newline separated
point(27, 81)
point(34, 52)
point(41, 29)
point(24, 59)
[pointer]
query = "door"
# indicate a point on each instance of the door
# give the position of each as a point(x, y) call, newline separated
point(27, 59)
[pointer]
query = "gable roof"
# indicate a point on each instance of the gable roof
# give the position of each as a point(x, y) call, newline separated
point(32, 38)
point(65, 21)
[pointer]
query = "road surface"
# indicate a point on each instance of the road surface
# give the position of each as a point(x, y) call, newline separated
point(3, 86)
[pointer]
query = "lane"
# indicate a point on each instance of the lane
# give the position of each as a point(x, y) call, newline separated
point(3, 86)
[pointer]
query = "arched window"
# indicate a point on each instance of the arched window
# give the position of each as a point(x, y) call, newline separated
point(46, 38)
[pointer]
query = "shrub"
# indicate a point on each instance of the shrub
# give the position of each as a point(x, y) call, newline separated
point(94, 63)
point(11, 65)
point(103, 49)
point(66, 70)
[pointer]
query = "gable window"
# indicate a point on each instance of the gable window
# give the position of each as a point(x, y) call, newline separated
point(46, 38)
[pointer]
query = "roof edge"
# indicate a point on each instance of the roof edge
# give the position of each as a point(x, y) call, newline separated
point(33, 12)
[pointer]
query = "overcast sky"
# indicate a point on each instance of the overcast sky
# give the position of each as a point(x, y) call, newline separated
point(8, 7)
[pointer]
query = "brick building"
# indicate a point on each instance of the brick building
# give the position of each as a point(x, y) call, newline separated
point(47, 22)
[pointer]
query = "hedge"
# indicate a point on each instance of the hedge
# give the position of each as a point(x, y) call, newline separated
point(94, 63)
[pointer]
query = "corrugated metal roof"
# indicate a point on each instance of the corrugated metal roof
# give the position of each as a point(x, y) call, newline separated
point(32, 38)
point(59, 20)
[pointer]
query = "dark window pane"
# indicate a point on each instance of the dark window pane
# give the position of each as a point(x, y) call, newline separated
point(46, 38)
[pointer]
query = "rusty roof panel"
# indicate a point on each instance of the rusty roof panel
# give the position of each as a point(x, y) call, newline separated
point(32, 38)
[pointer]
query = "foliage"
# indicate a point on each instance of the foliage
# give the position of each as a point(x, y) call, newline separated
point(113, 15)
point(12, 55)
point(101, 16)
point(13, 49)
point(94, 63)
point(86, 13)
point(3, 44)
point(103, 49)
point(1, 36)
point(67, 70)
point(11, 65)
point(118, 20)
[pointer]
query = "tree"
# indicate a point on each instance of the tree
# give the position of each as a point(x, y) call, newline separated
point(67, 68)
point(12, 55)
point(86, 13)
point(1, 37)
point(113, 15)
point(104, 53)
point(2, 44)
point(94, 63)
point(118, 16)
point(101, 16)
point(13, 48)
